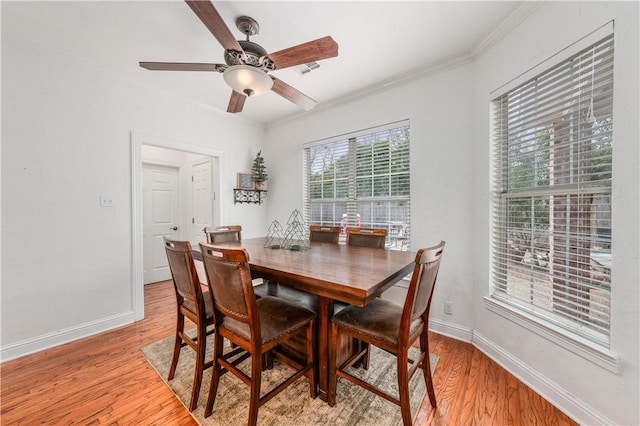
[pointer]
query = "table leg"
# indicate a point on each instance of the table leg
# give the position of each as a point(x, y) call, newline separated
point(325, 312)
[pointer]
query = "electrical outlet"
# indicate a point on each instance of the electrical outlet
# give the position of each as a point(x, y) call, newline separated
point(448, 308)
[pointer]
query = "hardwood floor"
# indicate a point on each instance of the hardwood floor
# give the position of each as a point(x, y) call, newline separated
point(104, 379)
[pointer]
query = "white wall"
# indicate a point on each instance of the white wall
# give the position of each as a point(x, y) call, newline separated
point(66, 140)
point(449, 117)
point(588, 391)
point(65, 133)
point(441, 120)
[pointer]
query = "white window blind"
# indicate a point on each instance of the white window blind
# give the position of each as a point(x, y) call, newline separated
point(361, 179)
point(551, 232)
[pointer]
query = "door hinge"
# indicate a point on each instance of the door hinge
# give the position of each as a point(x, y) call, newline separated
point(191, 178)
point(193, 220)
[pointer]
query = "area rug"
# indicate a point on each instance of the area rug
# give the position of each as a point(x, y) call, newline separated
point(293, 406)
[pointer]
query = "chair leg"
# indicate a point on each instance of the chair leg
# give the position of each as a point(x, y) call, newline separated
point(403, 388)
point(254, 398)
point(267, 361)
point(311, 375)
point(177, 345)
point(367, 355)
point(201, 344)
point(426, 367)
point(333, 379)
point(215, 375)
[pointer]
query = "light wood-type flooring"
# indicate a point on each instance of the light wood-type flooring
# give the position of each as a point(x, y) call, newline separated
point(104, 379)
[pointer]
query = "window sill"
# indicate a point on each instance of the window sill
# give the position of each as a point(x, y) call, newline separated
point(578, 345)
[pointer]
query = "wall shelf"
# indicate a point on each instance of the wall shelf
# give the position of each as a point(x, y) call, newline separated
point(250, 196)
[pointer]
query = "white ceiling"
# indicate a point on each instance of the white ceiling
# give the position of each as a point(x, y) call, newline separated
point(380, 43)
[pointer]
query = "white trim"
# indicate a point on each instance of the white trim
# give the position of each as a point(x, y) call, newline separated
point(559, 397)
point(564, 400)
point(381, 87)
point(137, 140)
point(67, 58)
point(163, 163)
point(449, 329)
point(576, 344)
point(586, 41)
point(60, 337)
point(518, 16)
point(137, 291)
point(370, 130)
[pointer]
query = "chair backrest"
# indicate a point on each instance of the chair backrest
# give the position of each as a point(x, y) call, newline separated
point(324, 234)
point(221, 234)
point(229, 280)
point(423, 282)
point(183, 271)
point(366, 237)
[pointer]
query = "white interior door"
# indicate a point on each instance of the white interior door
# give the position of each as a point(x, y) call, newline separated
point(202, 200)
point(160, 218)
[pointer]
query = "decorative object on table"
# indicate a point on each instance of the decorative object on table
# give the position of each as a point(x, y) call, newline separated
point(245, 181)
point(259, 170)
point(296, 237)
point(275, 238)
point(293, 406)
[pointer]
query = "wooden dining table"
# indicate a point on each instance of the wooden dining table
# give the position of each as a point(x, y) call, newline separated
point(333, 273)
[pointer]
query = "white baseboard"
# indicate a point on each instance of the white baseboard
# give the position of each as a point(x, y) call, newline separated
point(549, 390)
point(455, 331)
point(50, 340)
point(556, 395)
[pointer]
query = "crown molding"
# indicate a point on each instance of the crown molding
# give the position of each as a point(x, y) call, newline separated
point(526, 9)
point(383, 86)
point(493, 37)
point(65, 58)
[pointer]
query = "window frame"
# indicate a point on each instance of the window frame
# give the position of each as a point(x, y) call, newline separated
point(597, 351)
point(350, 200)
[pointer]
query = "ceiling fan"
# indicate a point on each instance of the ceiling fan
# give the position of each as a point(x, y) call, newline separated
point(247, 63)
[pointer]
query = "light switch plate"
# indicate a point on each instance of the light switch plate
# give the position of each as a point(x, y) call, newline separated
point(107, 201)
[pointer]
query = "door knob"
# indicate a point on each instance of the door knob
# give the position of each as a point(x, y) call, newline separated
point(175, 228)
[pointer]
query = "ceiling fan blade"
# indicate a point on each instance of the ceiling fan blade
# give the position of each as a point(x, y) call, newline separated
point(181, 66)
point(236, 103)
point(310, 51)
point(213, 21)
point(293, 95)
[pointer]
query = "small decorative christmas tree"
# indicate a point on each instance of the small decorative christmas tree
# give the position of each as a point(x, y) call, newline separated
point(259, 170)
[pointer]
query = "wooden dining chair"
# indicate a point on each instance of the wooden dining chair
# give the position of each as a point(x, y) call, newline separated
point(255, 325)
point(193, 304)
point(325, 234)
point(221, 234)
point(394, 329)
point(366, 237)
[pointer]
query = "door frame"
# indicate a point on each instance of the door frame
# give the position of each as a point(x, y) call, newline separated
point(137, 140)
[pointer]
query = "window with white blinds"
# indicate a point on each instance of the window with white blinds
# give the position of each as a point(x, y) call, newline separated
point(361, 180)
point(551, 239)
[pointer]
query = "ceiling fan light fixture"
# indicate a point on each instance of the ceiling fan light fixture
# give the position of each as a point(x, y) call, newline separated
point(248, 80)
